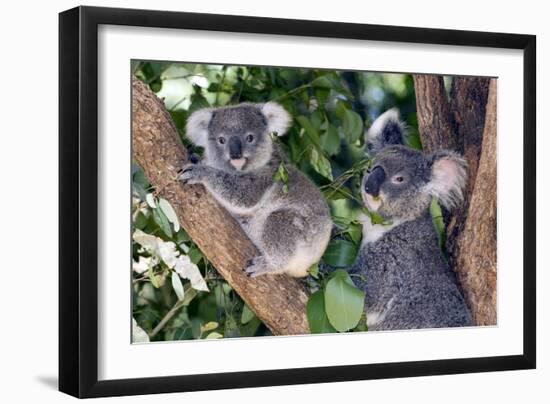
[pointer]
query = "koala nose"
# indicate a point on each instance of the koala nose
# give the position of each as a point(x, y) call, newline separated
point(374, 180)
point(235, 148)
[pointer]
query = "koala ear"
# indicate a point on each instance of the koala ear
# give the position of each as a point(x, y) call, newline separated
point(278, 120)
point(386, 130)
point(448, 178)
point(197, 126)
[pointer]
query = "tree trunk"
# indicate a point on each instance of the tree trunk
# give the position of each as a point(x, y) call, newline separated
point(433, 113)
point(467, 123)
point(278, 300)
point(476, 257)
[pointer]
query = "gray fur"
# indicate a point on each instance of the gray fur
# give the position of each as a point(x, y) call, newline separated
point(407, 282)
point(291, 230)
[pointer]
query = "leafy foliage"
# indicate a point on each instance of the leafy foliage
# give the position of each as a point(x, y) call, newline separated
point(330, 110)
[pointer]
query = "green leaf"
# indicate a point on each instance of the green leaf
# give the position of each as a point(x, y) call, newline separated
point(352, 125)
point(139, 178)
point(322, 95)
point(344, 303)
point(376, 218)
point(314, 270)
point(340, 253)
point(162, 222)
point(198, 101)
point(311, 132)
point(321, 164)
point(177, 286)
point(282, 176)
point(195, 255)
point(183, 333)
point(335, 194)
point(342, 211)
point(170, 213)
point(330, 140)
point(214, 335)
point(249, 329)
point(154, 280)
point(439, 223)
point(247, 315)
point(316, 315)
point(332, 81)
point(211, 325)
point(355, 232)
point(140, 190)
point(141, 221)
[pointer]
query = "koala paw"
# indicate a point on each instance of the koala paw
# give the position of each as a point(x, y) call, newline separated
point(192, 174)
point(258, 266)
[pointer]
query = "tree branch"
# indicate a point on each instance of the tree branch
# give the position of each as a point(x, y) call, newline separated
point(278, 300)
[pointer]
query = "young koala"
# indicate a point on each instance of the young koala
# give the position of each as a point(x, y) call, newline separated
point(289, 223)
point(407, 282)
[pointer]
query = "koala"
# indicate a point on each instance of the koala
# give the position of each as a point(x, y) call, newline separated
point(290, 223)
point(407, 281)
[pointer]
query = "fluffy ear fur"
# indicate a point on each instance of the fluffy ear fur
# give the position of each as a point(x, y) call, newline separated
point(197, 126)
point(278, 120)
point(448, 179)
point(386, 130)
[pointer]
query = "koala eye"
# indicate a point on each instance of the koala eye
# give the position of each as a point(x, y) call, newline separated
point(221, 140)
point(250, 138)
point(397, 179)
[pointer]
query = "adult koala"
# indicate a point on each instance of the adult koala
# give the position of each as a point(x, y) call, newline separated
point(408, 283)
point(289, 223)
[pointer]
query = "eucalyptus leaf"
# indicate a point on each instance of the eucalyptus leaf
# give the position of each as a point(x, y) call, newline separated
point(247, 315)
point(154, 280)
point(170, 213)
point(177, 286)
point(330, 140)
point(355, 232)
point(344, 303)
point(352, 125)
point(162, 221)
point(211, 325)
point(214, 335)
point(150, 199)
point(312, 133)
point(138, 334)
point(321, 164)
point(316, 314)
point(314, 270)
point(340, 253)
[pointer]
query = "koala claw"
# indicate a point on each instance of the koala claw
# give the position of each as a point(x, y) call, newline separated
point(189, 174)
point(257, 266)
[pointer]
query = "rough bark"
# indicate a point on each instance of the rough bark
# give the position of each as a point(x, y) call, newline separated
point(433, 113)
point(279, 301)
point(468, 100)
point(462, 123)
point(476, 244)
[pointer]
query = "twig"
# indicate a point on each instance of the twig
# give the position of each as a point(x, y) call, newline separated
point(188, 294)
point(179, 304)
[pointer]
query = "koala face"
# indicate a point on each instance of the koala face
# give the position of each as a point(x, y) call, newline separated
point(395, 186)
point(238, 137)
point(403, 181)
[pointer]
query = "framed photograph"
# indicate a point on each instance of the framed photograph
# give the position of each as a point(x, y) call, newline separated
point(251, 201)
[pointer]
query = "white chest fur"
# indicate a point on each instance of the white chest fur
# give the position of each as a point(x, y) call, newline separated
point(373, 232)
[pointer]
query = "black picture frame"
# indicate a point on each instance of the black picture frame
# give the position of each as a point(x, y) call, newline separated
point(78, 196)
